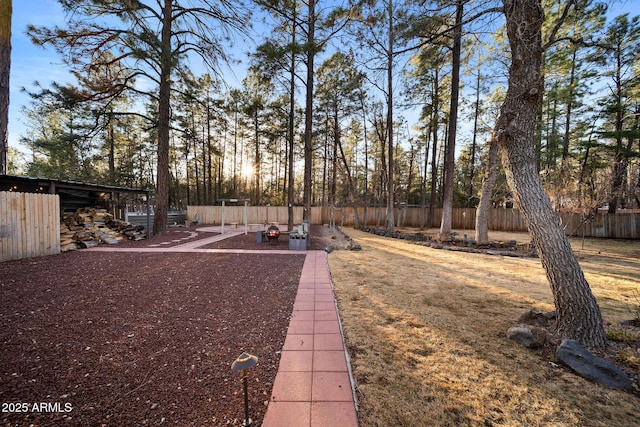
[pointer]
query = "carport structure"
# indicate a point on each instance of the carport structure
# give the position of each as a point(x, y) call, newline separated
point(74, 195)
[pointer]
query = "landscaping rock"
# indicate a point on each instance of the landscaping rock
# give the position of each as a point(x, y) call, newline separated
point(537, 318)
point(591, 367)
point(464, 244)
point(527, 335)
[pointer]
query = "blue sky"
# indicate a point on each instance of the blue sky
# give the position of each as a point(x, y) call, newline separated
point(30, 63)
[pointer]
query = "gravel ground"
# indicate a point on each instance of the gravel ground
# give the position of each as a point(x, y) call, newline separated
point(122, 339)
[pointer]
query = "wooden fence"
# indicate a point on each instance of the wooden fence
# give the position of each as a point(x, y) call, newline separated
point(235, 214)
point(461, 218)
point(618, 226)
point(29, 225)
point(612, 226)
point(499, 219)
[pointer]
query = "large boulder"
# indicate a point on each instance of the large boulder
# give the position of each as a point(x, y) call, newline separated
point(594, 368)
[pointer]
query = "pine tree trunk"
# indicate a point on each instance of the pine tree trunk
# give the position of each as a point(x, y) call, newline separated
point(351, 186)
point(390, 190)
point(5, 67)
point(366, 163)
point(308, 114)
point(474, 144)
point(482, 211)
point(578, 315)
point(162, 185)
point(256, 160)
point(450, 148)
point(434, 151)
point(290, 124)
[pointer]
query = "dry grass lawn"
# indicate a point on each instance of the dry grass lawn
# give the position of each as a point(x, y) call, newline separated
point(426, 333)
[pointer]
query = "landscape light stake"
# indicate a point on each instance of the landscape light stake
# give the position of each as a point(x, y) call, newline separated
point(243, 363)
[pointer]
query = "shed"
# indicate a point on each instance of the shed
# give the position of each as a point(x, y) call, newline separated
point(74, 195)
point(24, 218)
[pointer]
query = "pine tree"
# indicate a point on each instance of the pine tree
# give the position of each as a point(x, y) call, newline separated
point(130, 31)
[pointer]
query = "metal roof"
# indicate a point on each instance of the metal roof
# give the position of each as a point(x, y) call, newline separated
point(28, 184)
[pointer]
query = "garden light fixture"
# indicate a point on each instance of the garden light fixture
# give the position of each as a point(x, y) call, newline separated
point(243, 363)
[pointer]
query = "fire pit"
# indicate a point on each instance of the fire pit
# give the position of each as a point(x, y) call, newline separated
point(272, 234)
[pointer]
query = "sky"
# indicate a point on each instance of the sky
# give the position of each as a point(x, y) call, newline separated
point(28, 62)
point(31, 63)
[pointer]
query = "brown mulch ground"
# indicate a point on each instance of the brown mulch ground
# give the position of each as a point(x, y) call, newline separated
point(108, 338)
point(322, 237)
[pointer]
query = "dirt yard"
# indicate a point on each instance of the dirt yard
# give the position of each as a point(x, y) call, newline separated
point(121, 339)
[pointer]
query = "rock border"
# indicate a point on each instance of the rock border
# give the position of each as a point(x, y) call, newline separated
point(465, 244)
